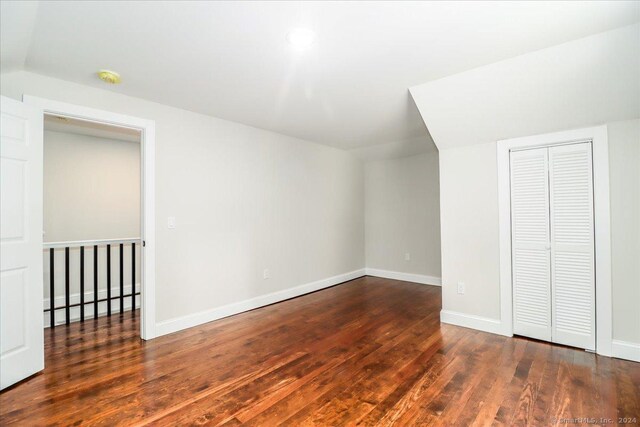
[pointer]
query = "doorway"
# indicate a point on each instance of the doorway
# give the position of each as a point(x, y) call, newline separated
point(21, 140)
point(124, 125)
point(91, 220)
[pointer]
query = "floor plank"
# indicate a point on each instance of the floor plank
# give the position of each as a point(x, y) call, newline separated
point(368, 352)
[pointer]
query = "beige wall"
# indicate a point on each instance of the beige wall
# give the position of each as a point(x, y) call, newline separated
point(470, 241)
point(91, 188)
point(402, 214)
point(624, 167)
point(244, 200)
point(469, 217)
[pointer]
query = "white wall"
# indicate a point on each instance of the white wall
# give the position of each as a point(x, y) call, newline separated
point(244, 200)
point(469, 218)
point(402, 215)
point(624, 170)
point(91, 187)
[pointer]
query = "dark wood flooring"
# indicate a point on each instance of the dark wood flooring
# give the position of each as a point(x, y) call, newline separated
point(371, 351)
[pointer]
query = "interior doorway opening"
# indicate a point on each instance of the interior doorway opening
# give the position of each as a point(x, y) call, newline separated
point(92, 244)
point(22, 332)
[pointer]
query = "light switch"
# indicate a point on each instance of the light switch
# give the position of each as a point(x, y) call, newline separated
point(171, 222)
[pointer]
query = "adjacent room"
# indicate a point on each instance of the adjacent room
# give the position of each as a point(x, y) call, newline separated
point(91, 216)
point(319, 213)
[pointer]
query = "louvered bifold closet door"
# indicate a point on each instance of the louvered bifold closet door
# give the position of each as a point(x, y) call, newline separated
point(530, 243)
point(572, 245)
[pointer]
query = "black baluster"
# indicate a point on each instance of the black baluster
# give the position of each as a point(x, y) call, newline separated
point(82, 283)
point(121, 278)
point(95, 281)
point(133, 278)
point(67, 302)
point(108, 280)
point(52, 293)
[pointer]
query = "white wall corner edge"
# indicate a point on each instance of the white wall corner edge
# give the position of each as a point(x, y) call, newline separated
point(405, 277)
point(485, 324)
point(625, 350)
point(191, 320)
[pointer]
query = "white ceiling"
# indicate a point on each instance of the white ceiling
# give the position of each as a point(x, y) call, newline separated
point(231, 59)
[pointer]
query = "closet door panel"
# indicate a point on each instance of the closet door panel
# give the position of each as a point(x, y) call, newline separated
point(530, 243)
point(572, 245)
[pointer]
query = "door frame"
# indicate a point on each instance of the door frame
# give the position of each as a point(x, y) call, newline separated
point(147, 199)
point(602, 226)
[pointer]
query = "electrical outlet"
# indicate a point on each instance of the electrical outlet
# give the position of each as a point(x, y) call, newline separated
point(407, 256)
point(171, 222)
point(266, 274)
point(461, 287)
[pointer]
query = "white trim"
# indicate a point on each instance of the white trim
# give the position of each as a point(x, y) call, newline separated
point(405, 277)
point(480, 323)
point(147, 129)
point(74, 312)
point(625, 350)
point(188, 321)
point(598, 137)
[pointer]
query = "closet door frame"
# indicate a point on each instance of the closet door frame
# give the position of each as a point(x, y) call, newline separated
point(600, 152)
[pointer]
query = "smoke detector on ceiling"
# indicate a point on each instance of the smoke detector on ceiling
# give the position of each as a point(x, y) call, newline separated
point(109, 76)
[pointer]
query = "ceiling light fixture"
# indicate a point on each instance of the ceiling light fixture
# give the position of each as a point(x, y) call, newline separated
point(110, 77)
point(301, 38)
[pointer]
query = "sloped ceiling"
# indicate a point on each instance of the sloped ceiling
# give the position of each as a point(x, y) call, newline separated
point(231, 60)
point(581, 83)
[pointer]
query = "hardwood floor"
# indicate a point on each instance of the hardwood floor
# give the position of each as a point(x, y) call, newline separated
point(370, 351)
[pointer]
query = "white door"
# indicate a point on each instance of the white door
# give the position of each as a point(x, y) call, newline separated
point(21, 282)
point(572, 245)
point(552, 232)
point(531, 261)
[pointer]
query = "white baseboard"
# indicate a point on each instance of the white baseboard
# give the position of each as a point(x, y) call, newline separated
point(625, 350)
point(405, 277)
point(184, 322)
point(74, 312)
point(485, 324)
point(620, 349)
